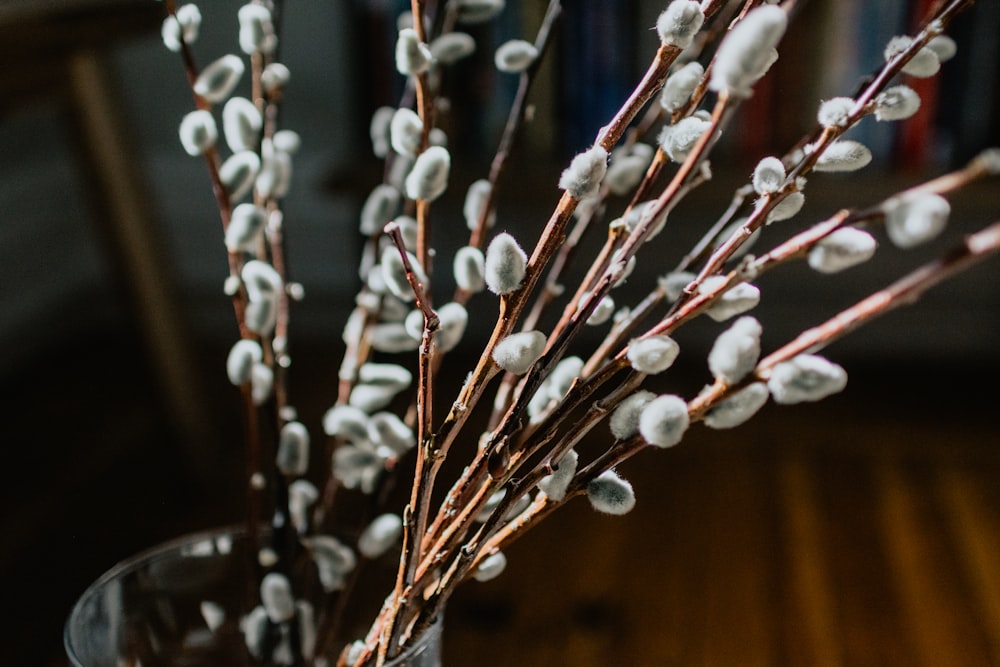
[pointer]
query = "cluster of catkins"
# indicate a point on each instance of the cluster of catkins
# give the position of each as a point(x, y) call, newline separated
point(257, 171)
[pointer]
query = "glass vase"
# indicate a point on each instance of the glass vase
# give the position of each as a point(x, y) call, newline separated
point(154, 609)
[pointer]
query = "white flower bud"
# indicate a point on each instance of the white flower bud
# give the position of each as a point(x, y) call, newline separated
point(293, 449)
point(602, 312)
point(747, 51)
point(334, 560)
point(555, 485)
point(256, 29)
point(842, 249)
point(379, 208)
point(238, 172)
point(610, 494)
point(275, 77)
point(261, 383)
point(681, 85)
point(943, 46)
point(255, 631)
point(371, 398)
point(219, 78)
point(241, 124)
point(198, 132)
point(451, 47)
point(739, 298)
point(896, 103)
point(261, 279)
point(428, 179)
point(915, 218)
point(394, 376)
point(738, 408)
point(387, 430)
point(835, 112)
point(517, 352)
point(276, 597)
point(242, 356)
point(378, 130)
point(515, 56)
point(394, 273)
point(183, 26)
point(677, 140)
point(491, 567)
point(478, 11)
point(735, 352)
point(679, 22)
point(788, 207)
point(286, 141)
point(345, 421)
point(844, 155)
point(582, 178)
point(652, 355)
point(768, 175)
point(469, 268)
point(504, 265)
point(406, 131)
point(380, 535)
point(452, 318)
point(806, 377)
point(261, 316)
point(624, 421)
point(391, 338)
point(563, 376)
point(475, 200)
point(627, 168)
point(924, 62)
point(275, 175)
point(673, 284)
point(246, 225)
point(664, 420)
point(213, 614)
point(412, 56)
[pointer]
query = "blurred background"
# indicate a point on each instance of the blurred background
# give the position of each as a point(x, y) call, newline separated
point(864, 530)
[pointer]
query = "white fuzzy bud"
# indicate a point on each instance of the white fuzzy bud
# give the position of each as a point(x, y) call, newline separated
point(451, 47)
point(627, 168)
point(844, 248)
point(806, 377)
point(602, 312)
point(610, 494)
point(555, 485)
point(515, 56)
point(562, 377)
point(406, 131)
point(475, 200)
point(379, 208)
point(391, 338)
point(673, 284)
point(246, 225)
point(735, 352)
point(254, 628)
point(261, 383)
point(664, 420)
point(915, 218)
point(583, 176)
point(243, 355)
point(293, 449)
point(517, 352)
point(386, 429)
point(276, 597)
point(747, 51)
point(428, 179)
point(738, 299)
point(238, 172)
point(504, 265)
point(394, 273)
point(275, 77)
point(788, 207)
point(261, 279)
point(491, 567)
point(378, 130)
point(412, 56)
point(679, 22)
point(768, 175)
point(256, 29)
point(275, 175)
point(844, 155)
point(453, 319)
point(738, 408)
point(393, 376)
point(334, 560)
point(183, 27)
point(213, 614)
point(469, 268)
point(219, 78)
point(679, 139)
point(380, 535)
point(924, 62)
point(681, 85)
point(835, 112)
point(241, 124)
point(345, 421)
point(478, 11)
point(624, 421)
point(943, 46)
point(198, 132)
point(896, 103)
point(652, 355)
